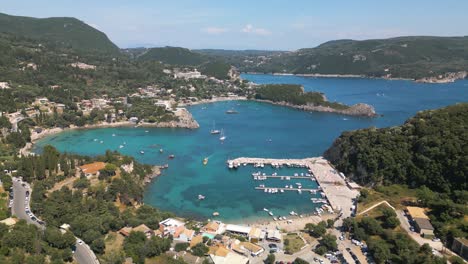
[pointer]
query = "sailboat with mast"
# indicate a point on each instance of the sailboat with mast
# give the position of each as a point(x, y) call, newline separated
point(214, 131)
point(222, 136)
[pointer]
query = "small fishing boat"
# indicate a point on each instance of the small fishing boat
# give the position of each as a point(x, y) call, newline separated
point(161, 150)
point(113, 135)
point(266, 210)
point(231, 111)
point(201, 197)
point(146, 131)
point(205, 161)
point(95, 139)
point(270, 213)
point(101, 141)
point(171, 156)
point(215, 214)
point(142, 152)
point(121, 146)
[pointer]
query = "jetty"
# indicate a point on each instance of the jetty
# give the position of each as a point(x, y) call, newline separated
point(332, 183)
point(283, 177)
point(287, 189)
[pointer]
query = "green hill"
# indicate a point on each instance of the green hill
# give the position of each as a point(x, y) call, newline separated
point(430, 149)
point(174, 56)
point(61, 31)
point(403, 57)
point(208, 65)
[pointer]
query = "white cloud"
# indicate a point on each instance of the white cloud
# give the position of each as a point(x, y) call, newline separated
point(257, 31)
point(214, 30)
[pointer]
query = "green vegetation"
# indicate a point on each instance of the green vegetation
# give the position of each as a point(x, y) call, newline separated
point(174, 56)
point(181, 246)
point(427, 150)
point(200, 250)
point(208, 65)
point(293, 94)
point(60, 31)
point(316, 230)
point(144, 109)
point(270, 259)
point(24, 243)
point(293, 243)
point(386, 243)
point(327, 243)
point(402, 57)
point(300, 261)
point(139, 247)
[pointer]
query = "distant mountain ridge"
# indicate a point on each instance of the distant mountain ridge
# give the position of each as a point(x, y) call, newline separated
point(401, 57)
point(62, 31)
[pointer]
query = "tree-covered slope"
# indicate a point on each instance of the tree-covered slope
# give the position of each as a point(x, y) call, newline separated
point(430, 149)
point(62, 31)
point(174, 56)
point(406, 57)
point(207, 64)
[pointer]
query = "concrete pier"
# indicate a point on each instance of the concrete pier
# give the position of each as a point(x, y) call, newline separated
point(284, 177)
point(333, 185)
point(287, 189)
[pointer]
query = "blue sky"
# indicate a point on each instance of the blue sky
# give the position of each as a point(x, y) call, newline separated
point(254, 24)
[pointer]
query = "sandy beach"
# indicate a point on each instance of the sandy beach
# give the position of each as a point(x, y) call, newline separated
point(216, 99)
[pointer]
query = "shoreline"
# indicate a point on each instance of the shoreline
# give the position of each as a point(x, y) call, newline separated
point(448, 78)
point(216, 100)
point(186, 121)
point(360, 109)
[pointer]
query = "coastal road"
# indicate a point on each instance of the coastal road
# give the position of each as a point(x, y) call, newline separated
point(83, 254)
point(21, 201)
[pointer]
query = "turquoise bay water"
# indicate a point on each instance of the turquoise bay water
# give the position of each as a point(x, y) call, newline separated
point(259, 130)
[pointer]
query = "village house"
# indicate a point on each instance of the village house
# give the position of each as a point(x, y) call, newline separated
point(183, 234)
point(4, 85)
point(460, 246)
point(212, 227)
point(169, 226)
point(83, 66)
point(92, 169)
point(238, 230)
point(422, 223)
point(274, 235)
point(125, 231)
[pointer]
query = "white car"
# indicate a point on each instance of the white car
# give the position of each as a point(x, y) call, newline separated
point(435, 239)
point(80, 242)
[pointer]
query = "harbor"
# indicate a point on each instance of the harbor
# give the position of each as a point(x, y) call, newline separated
point(332, 185)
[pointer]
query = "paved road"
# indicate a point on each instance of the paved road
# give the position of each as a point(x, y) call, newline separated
point(83, 254)
point(21, 200)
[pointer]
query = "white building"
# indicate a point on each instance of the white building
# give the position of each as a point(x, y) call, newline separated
point(239, 230)
point(4, 85)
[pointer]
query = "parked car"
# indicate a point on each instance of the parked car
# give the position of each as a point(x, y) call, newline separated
point(435, 239)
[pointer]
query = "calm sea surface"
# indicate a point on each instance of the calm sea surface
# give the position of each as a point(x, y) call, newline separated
point(259, 130)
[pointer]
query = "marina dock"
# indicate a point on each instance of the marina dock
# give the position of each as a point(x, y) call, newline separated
point(334, 186)
point(284, 177)
point(287, 189)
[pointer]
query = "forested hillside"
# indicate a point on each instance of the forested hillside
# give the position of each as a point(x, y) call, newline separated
point(208, 65)
point(405, 57)
point(61, 31)
point(430, 149)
